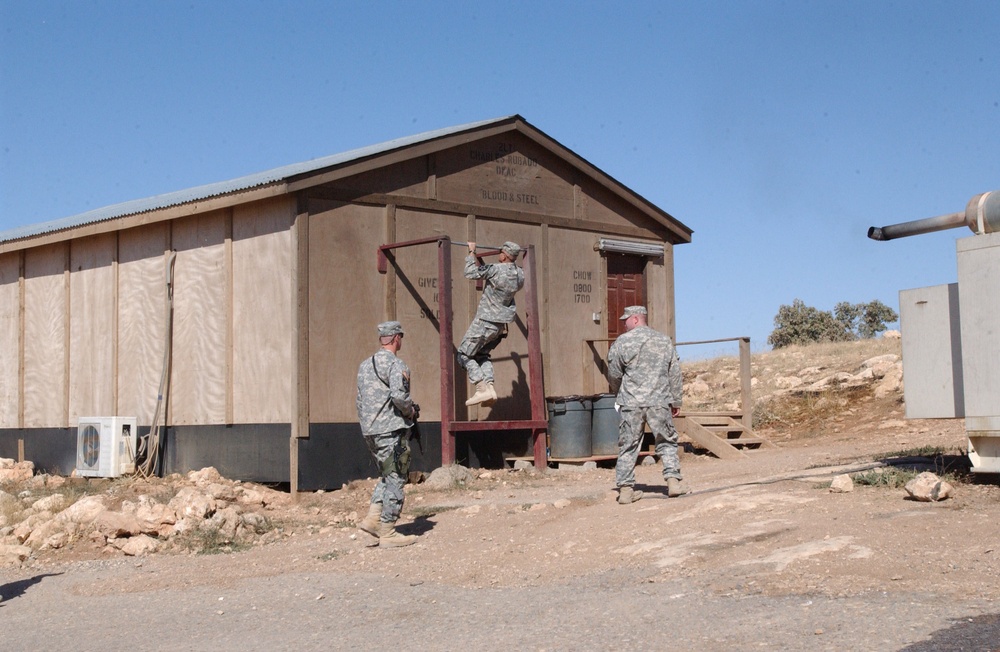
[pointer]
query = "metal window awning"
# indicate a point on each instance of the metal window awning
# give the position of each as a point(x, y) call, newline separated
point(612, 246)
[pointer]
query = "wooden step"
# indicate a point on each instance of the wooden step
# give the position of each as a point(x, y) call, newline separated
point(720, 434)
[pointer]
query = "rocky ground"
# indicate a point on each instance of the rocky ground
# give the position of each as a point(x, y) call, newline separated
point(762, 553)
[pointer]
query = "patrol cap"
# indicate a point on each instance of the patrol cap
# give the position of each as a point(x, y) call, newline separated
point(633, 310)
point(512, 249)
point(387, 328)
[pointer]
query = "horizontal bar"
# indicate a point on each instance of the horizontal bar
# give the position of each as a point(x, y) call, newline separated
point(462, 426)
point(485, 247)
point(382, 261)
point(725, 339)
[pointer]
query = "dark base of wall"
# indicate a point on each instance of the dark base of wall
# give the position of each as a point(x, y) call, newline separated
point(334, 453)
point(53, 450)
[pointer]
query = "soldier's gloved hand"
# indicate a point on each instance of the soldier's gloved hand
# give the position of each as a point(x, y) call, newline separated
point(416, 411)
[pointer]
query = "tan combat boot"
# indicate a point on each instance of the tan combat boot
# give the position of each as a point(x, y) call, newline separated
point(493, 394)
point(389, 538)
point(628, 495)
point(482, 394)
point(675, 487)
point(370, 522)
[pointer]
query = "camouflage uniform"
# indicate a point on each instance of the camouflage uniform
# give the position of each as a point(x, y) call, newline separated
point(496, 307)
point(386, 413)
point(645, 372)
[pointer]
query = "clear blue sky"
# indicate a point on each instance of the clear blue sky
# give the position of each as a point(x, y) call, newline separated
point(778, 131)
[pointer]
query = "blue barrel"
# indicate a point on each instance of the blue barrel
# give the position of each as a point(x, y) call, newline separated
point(569, 426)
point(604, 426)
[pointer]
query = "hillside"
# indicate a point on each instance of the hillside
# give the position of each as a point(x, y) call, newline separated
point(802, 392)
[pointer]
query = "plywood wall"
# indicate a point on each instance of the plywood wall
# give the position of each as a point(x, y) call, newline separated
point(262, 316)
point(142, 291)
point(46, 321)
point(598, 204)
point(93, 326)
point(10, 338)
point(346, 301)
point(199, 373)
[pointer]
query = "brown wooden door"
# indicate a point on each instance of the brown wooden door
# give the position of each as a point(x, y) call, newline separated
point(626, 287)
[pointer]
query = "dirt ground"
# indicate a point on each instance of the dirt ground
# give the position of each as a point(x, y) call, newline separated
point(761, 555)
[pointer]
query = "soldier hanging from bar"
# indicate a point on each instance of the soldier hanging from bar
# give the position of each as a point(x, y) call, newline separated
point(496, 309)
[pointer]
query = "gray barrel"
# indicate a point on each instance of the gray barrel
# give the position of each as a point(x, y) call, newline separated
point(604, 428)
point(569, 426)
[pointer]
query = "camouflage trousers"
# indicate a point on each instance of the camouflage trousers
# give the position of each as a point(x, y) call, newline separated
point(630, 433)
point(476, 347)
point(392, 456)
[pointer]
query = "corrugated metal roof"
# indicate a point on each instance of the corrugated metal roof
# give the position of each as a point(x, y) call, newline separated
point(276, 175)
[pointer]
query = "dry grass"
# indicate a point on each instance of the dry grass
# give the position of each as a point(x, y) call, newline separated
point(770, 372)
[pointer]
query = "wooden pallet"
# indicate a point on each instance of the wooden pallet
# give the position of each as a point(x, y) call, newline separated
point(721, 434)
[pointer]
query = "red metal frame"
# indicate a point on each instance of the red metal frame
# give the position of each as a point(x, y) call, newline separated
point(538, 424)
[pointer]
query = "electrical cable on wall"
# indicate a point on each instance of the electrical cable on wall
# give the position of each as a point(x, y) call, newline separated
point(149, 449)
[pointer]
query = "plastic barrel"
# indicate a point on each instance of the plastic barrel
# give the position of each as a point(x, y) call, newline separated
point(569, 426)
point(604, 428)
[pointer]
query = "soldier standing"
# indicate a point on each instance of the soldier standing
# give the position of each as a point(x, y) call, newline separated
point(496, 310)
point(644, 371)
point(387, 413)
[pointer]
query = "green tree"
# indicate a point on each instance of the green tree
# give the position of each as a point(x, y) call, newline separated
point(874, 317)
point(802, 324)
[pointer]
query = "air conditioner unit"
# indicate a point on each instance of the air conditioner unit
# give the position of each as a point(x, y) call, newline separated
point(105, 446)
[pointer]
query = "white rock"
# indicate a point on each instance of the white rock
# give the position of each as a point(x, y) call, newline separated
point(53, 503)
point(928, 487)
point(115, 525)
point(842, 484)
point(227, 520)
point(140, 546)
point(889, 358)
point(221, 492)
point(13, 554)
point(192, 503)
point(250, 496)
point(891, 383)
point(697, 388)
point(445, 477)
point(83, 511)
point(787, 382)
point(205, 476)
point(56, 541)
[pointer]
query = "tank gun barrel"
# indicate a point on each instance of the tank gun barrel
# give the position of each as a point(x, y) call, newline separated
point(981, 214)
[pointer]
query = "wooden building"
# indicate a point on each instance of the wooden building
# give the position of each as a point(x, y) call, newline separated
point(275, 297)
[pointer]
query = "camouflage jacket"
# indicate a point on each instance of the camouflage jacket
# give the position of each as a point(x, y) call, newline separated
point(503, 280)
point(383, 400)
point(644, 370)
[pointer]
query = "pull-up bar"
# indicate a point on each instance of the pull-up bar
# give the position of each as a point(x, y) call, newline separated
point(383, 261)
point(538, 424)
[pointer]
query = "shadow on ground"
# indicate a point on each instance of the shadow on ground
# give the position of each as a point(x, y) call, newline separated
point(979, 633)
point(13, 590)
